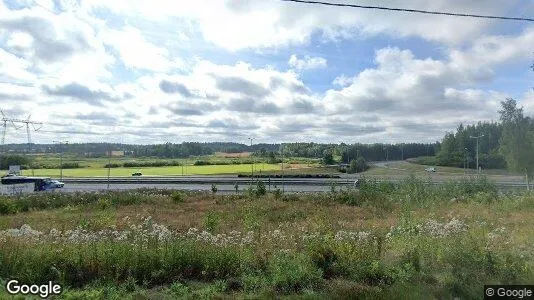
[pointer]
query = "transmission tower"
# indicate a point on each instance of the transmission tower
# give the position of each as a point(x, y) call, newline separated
point(27, 121)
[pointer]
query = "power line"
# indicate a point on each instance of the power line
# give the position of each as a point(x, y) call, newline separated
point(412, 10)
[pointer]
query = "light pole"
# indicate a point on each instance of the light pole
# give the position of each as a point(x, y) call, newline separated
point(60, 157)
point(466, 162)
point(282, 150)
point(251, 139)
point(477, 137)
point(109, 162)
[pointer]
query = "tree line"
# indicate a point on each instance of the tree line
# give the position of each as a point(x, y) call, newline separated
point(505, 144)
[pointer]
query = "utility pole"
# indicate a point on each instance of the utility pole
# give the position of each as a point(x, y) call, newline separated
point(5, 120)
point(402, 151)
point(61, 157)
point(477, 137)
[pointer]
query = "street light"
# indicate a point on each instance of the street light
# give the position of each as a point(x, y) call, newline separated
point(466, 162)
point(477, 137)
point(251, 139)
point(282, 152)
point(60, 157)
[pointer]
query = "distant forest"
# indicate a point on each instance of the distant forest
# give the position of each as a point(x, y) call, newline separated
point(371, 152)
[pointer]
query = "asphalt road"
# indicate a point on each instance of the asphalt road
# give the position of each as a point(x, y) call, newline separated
point(225, 183)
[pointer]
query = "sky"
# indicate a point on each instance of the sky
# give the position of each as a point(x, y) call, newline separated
point(161, 71)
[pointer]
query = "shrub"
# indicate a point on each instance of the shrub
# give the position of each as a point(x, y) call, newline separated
point(214, 188)
point(358, 165)
point(112, 165)
point(39, 201)
point(7, 160)
point(260, 188)
point(292, 273)
point(211, 221)
point(177, 197)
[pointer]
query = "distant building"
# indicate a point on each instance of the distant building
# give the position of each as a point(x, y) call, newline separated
point(115, 153)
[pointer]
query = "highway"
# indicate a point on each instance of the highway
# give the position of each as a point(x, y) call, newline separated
point(226, 183)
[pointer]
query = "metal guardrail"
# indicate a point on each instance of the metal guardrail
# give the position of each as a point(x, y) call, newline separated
point(241, 180)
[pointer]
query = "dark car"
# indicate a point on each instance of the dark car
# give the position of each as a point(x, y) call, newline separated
point(137, 174)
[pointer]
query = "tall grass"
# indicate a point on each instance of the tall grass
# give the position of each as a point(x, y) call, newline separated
point(418, 257)
point(41, 201)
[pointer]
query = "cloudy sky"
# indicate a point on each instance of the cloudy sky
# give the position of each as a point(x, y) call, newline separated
point(142, 71)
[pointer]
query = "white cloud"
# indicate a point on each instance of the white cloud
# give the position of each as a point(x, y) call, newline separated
point(307, 62)
point(342, 80)
point(528, 103)
point(13, 68)
point(237, 24)
point(136, 52)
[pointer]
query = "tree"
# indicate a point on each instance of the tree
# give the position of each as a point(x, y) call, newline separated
point(517, 140)
point(8, 160)
point(328, 158)
point(358, 165)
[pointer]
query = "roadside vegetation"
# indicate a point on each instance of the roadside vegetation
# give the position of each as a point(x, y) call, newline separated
point(384, 241)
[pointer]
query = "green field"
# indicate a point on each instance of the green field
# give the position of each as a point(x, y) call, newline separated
point(162, 171)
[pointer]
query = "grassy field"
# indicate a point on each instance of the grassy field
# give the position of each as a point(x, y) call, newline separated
point(88, 162)
point(162, 171)
point(406, 241)
point(404, 167)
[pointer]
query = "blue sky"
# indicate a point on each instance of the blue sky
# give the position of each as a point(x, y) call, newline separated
point(157, 71)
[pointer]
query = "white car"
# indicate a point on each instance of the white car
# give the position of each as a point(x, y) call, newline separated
point(431, 169)
point(55, 184)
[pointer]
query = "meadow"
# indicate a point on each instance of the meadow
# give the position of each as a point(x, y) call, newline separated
point(383, 241)
point(161, 171)
point(220, 163)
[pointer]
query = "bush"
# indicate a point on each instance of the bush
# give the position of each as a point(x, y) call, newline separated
point(357, 166)
point(40, 201)
point(260, 188)
point(177, 197)
point(292, 273)
point(211, 221)
point(112, 165)
point(214, 188)
point(11, 160)
point(155, 163)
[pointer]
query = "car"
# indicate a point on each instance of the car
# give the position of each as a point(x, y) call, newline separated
point(57, 184)
point(431, 169)
point(137, 174)
point(357, 183)
point(53, 184)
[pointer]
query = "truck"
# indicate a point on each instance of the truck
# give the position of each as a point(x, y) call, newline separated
point(15, 184)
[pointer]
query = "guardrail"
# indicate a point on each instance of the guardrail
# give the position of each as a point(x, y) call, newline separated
point(244, 180)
